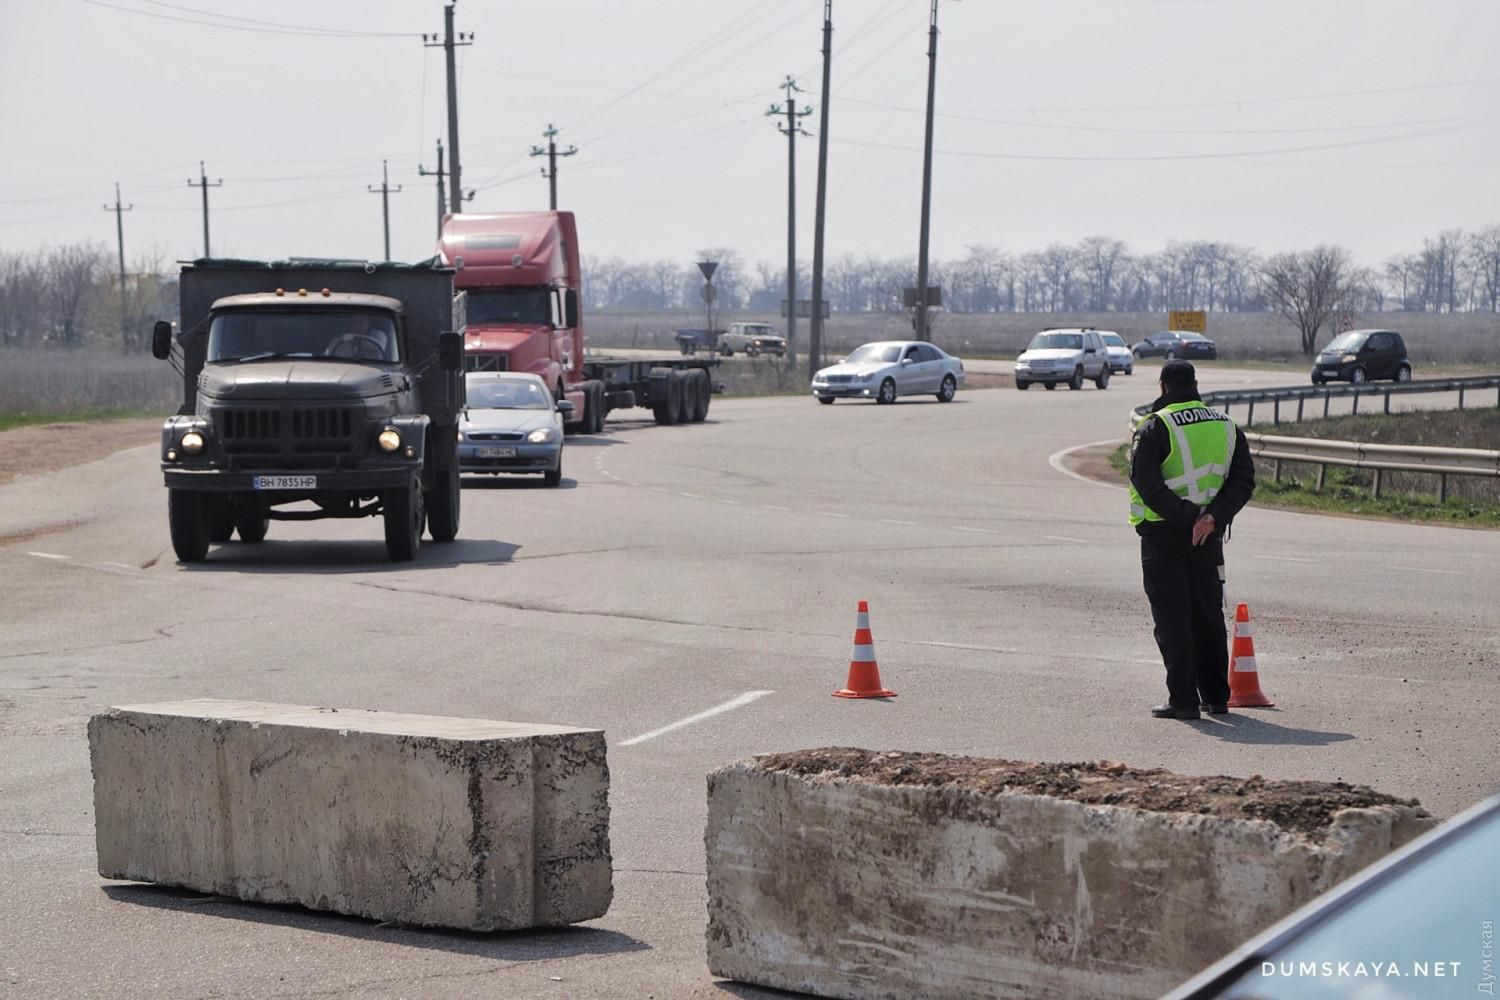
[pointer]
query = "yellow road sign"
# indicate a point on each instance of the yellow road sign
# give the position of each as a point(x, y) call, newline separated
point(1189, 320)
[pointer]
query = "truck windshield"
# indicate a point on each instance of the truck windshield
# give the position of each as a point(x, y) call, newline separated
point(525, 304)
point(349, 335)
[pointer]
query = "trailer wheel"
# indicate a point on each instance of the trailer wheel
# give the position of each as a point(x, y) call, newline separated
point(701, 391)
point(593, 401)
point(187, 515)
point(666, 395)
point(443, 500)
point(403, 522)
point(686, 390)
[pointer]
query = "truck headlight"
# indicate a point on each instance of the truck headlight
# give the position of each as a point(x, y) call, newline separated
point(191, 443)
point(542, 435)
point(389, 439)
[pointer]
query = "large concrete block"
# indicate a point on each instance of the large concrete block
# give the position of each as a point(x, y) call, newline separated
point(414, 818)
point(847, 873)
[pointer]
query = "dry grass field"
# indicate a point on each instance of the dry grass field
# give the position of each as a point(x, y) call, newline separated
point(49, 384)
point(1433, 339)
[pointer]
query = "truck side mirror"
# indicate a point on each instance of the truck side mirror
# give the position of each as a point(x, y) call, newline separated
point(570, 308)
point(161, 340)
point(451, 351)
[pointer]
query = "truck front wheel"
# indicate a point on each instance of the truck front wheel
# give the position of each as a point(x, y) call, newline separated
point(403, 522)
point(187, 514)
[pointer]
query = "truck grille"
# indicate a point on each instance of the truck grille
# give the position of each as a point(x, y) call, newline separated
point(293, 436)
point(485, 363)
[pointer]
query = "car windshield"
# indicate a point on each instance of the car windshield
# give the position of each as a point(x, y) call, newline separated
point(757, 331)
point(341, 334)
point(525, 304)
point(874, 352)
point(1112, 340)
point(507, 394)
point(1419, 918)
point(1056, 341)
point(1346, 342)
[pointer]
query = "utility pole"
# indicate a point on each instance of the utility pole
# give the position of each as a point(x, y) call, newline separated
point(923, 333)
point(205, 185)
point(439, 173)
point(385, 191)
point(551, 152)
point(791, 130)
point(449, 43)
point(815, 333)
point(119, 209)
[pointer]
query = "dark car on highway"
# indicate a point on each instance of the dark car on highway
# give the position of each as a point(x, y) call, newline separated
point(1171, 344)
point(1363, 356)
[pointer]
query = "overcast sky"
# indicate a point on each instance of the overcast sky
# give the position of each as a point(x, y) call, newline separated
point(1274, 123)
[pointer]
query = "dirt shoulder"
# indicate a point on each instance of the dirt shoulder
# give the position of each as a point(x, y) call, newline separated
point(26, 451)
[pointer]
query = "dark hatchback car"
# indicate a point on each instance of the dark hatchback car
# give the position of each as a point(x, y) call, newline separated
point(1171, 344)
point(1420, 923)
point(1363, 356)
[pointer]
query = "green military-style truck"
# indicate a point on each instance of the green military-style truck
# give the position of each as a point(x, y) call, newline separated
point(313, 389)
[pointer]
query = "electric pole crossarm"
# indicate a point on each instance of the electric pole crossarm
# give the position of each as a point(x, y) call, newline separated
point(551, 152)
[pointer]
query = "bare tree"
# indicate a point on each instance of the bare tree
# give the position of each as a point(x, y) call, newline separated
point(1307, 288)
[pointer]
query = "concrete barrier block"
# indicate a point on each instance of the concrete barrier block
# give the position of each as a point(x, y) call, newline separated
point(420, 819)
point(848, 873)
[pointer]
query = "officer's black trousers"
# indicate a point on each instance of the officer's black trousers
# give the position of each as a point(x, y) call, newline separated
point(1186, 595)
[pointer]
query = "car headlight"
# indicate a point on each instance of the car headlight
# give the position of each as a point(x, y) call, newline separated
point(1349, 357)
point(542, 435)
point(191, 443)
point(389, 439)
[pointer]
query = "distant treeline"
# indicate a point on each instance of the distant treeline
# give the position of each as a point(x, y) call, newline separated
point(70, 296)
point(1453, 271)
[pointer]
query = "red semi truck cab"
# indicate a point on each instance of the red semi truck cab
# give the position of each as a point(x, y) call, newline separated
point(520, 272)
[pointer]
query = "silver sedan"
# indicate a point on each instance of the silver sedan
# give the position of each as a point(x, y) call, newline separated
point(889, 368)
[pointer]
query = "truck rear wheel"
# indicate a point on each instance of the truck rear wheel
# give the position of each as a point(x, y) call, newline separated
point(593, 404)
point(442, 501)
point(252, 525)
point(187, 515)
point(403, 522)
point(220, 519)
point(666, 395)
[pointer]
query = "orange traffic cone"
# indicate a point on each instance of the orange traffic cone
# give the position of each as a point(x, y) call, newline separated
point(864, 673)
point(1244, 679)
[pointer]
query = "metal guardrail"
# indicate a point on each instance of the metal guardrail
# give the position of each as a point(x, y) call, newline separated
point(1380, 458)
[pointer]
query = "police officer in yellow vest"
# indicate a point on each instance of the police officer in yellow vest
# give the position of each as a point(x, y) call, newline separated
point(1190, 474)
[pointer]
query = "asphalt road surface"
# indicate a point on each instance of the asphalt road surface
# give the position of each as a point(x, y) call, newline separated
point(678, 570)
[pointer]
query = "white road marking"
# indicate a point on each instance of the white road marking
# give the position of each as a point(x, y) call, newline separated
point(892, 520)
point(48, 555)
point(1065, 538)
point(1056, 461)
point(1298, 559)
point(982, 531)
point(690, 496)
point(1419, 569)
point(658, 489)
point(728, 706)
point(774, 507)
point(732, 503)
point(115, 565)
point(831, 513)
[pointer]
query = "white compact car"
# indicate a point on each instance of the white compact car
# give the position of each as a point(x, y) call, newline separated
point(1121, 360)
point(889, 368)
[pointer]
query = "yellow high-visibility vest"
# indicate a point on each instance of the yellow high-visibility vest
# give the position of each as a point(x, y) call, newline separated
point(1202, 445)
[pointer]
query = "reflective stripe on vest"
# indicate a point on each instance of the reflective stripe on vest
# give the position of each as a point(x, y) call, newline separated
point(1199, 460)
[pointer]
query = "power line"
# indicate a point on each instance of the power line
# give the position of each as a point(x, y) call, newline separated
point(278, 24)
point(304, 32)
